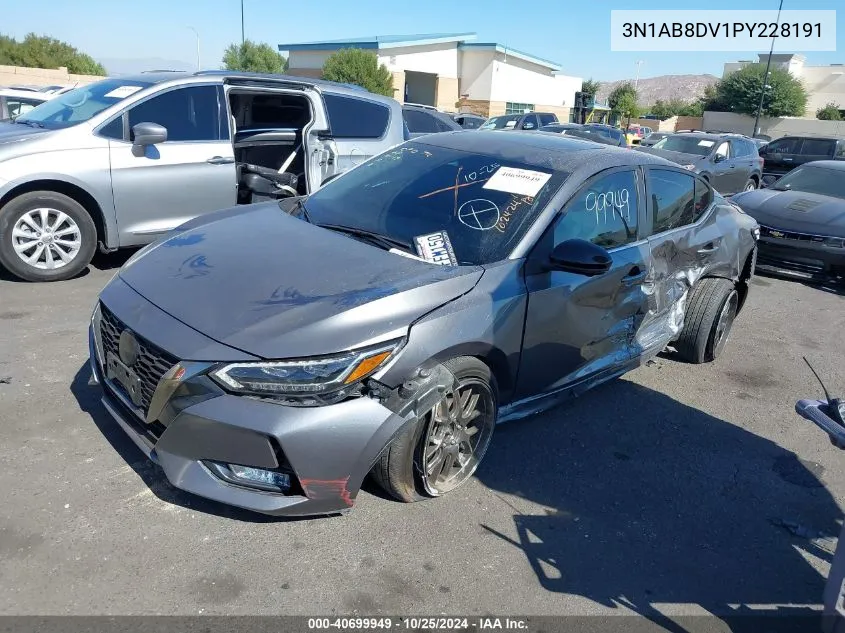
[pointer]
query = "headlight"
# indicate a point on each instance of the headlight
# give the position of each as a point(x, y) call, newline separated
point(691, 167)
point(313, 376)
point(836, 242)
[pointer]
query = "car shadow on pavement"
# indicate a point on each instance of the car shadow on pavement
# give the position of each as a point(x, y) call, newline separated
point(646, 501)
point(101, 261)
point(88, 398)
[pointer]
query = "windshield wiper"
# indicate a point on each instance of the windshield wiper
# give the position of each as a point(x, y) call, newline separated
point(29, 122)
point(378, 239)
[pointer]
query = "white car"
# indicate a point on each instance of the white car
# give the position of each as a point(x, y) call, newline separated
point(14, 102)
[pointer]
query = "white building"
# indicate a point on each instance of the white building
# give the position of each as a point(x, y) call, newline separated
point(824, 84)
point(452, 71)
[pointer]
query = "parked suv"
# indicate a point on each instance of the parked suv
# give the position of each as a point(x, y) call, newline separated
point(423, 119)
point(728, 161)
point(529, 121)
point(787, 152)
point(124, 160)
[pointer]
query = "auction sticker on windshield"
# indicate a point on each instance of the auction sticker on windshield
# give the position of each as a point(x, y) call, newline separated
point(123, 92)
point(436, 248)
point(523, 182)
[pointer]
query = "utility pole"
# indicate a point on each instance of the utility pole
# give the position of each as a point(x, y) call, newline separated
point(243, 37)
point(764, 83)
point(199, 63)
point(636, 82)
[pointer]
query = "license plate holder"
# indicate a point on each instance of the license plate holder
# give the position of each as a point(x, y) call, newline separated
point(127, 379)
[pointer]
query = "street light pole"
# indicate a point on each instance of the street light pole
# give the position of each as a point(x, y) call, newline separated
point(764, 83)
point(243, 38)
point(199, 63)
point(636, 82)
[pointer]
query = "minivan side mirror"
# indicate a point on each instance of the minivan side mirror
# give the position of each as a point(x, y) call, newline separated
point(148, 134)
point(580, 257)
point(718, 158)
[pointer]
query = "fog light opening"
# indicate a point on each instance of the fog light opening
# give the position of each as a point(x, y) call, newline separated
point(251, 477)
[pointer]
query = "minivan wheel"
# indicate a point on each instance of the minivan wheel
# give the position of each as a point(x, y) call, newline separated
point(46, 236)
point(751, 185)
point(711, 311)
point(443, 448)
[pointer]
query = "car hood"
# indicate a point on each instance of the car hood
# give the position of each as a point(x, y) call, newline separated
point(275, 286)
point(16, 132)
point(682, 158)
point(795, 211)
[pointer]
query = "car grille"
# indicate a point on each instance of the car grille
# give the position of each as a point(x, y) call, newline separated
point(768, 231)
point(153, 362)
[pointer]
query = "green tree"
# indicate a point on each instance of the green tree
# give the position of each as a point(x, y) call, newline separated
point(253, 57)
point(662, 110)
point(623, 101)
point(359, 67)
point(41, 51)
point(829, 113)
point(696, 108)
point(740, 92)
point(590, 87)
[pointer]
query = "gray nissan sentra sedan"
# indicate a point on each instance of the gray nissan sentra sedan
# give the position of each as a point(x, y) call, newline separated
point(272, 356)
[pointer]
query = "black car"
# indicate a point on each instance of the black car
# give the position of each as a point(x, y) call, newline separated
point(788, 152)
point(386, 322)
point(604, 134)
point(653, 138)
point(422, 119)
point(528, 121)
point(729, 162)
point(802, 222)
point(469, 121)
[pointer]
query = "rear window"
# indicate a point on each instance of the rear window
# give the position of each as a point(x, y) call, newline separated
point(817, 147)
point(356, 118)
point(701, 146)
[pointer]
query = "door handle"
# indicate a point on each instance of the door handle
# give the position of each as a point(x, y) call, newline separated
point(712, 247)
point(634, 276)
point(221, 160)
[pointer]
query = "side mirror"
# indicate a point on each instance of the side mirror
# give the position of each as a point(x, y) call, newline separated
point(719, 158)
point(580, 257)
point(148, 134)
point(528, 125)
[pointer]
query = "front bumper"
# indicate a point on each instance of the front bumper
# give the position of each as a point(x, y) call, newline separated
point(327, 451)
point(801, 259)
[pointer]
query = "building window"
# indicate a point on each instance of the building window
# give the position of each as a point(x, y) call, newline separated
point(518, 108)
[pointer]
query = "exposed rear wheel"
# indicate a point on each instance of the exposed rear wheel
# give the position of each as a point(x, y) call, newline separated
point(46, 236)
point(443, 449)
point(751, 185)
point(710, 314)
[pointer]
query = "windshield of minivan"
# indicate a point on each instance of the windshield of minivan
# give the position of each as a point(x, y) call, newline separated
point(501, 122)
point(81, 104)
point(813, 179)
point(686, 144)
point(480, 201)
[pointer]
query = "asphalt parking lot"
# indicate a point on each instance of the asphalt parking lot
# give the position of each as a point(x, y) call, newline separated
point(678, 489)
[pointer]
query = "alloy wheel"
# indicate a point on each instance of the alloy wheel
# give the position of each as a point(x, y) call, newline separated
point(46, 238)
point(459, 431)
point(725, 322)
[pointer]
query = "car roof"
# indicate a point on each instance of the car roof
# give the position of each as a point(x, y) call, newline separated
point(28, 94)
point(815, 137)
point(567, 153)
point(839, 165)
point(160, 76)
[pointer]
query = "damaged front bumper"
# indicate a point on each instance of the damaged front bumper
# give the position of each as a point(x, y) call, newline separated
point(194, 430)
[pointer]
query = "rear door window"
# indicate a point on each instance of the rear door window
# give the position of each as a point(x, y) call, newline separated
point(530, 122)
point(818, 147)
point(356, 118)
point(421, 122)
point(674, 199)
point(546, 119)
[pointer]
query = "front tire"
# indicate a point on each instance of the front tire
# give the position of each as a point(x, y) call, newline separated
point(442, 449)
point(46, 236)
point(710, 313)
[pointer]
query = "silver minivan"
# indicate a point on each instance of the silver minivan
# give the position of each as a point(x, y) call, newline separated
point(122, 161)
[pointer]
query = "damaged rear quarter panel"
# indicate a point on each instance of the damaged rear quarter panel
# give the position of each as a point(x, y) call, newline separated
point(716, 246)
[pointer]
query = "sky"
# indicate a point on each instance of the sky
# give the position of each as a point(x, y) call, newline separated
point(574, 34)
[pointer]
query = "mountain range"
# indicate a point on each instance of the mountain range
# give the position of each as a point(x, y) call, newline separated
point(686, 88)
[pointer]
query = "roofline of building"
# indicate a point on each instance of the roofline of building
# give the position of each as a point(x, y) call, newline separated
point(499, 48)
point(378, 42)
